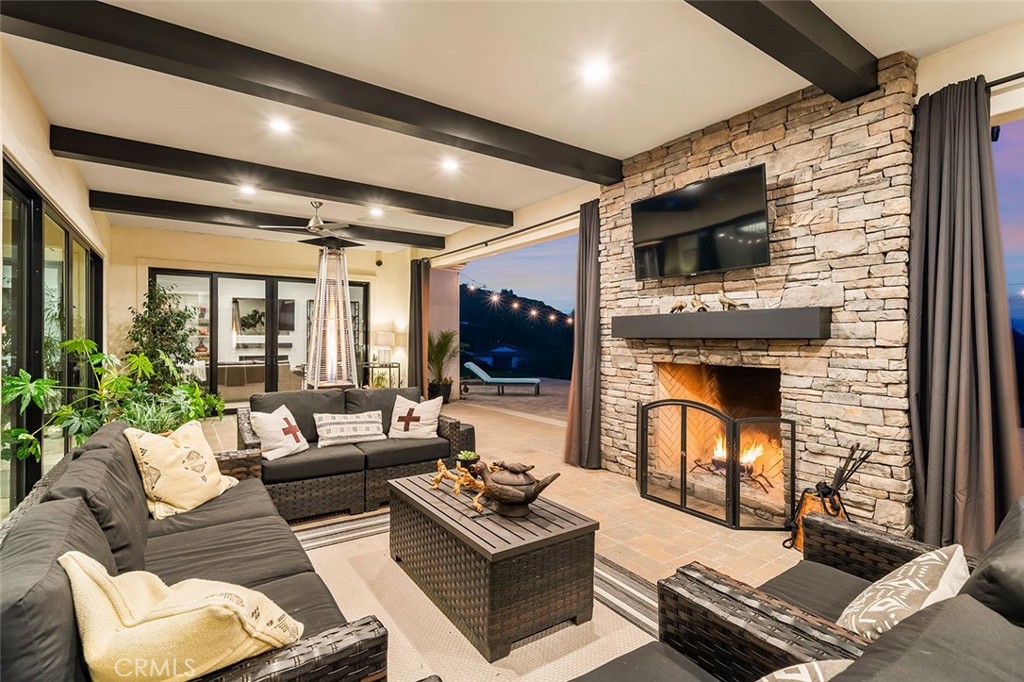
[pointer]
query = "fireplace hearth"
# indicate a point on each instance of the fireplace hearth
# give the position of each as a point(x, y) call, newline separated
point(714, 444)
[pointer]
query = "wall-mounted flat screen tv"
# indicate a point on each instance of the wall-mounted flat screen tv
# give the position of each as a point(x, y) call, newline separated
point(709, 226)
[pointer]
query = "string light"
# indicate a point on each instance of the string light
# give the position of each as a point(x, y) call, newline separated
point(534, 312)
point(568, 320)
point(552, 317)
point(495, 298)
point(515, 305)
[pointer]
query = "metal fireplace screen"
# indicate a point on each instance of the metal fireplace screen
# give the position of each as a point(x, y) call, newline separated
point(735, 472)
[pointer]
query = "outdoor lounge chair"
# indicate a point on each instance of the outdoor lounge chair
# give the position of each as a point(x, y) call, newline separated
point(488, 380)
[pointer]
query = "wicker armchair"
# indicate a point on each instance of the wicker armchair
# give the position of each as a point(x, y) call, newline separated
point(740, 633)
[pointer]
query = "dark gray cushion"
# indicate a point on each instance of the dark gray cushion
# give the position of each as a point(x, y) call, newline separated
point(39, 637)
point(111, 487)
point(302, 405)
point(305, 598)
point(816, 588)
point(653, 662)
point(315, 462)
point(368, 399)
point(247, 500)
point(955, 639)
point(247, 553)
point(393, 452)
point(998, 581)
point(104, 438)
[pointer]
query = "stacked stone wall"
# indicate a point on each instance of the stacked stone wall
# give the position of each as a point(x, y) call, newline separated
point(839, 229)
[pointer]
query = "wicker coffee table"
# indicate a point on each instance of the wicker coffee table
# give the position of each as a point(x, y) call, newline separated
point(497, 579)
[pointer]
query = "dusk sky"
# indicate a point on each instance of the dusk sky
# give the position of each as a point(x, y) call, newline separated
point(1009, 162)
point(545, 271)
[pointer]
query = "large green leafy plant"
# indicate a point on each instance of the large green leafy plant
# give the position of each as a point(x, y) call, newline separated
point(119, 390)
point(163, 326)
point(441, 349)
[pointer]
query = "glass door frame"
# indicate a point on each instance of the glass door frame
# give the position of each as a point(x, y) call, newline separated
point(26, 473)
point(272, 343)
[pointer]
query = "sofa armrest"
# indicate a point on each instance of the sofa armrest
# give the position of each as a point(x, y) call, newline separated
point(450, 429)
point(241, 463)
point(247, 438)
point(738, 633)
point(857, 549)
point(354, 652)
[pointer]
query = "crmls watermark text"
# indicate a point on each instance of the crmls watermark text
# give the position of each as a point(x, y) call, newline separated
point(132, 668)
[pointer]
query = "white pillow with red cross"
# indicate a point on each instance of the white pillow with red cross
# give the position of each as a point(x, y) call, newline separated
point(414, 420)
point(279, 435)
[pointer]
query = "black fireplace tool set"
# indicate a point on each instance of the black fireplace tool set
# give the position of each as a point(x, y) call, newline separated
point(825, 497)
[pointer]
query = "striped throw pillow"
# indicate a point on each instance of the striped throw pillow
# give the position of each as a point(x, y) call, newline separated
point(336, 429)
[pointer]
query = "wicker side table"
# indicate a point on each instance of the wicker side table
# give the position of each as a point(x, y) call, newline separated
point(497, 579)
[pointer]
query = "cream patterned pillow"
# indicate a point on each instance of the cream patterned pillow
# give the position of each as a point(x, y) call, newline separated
point(816, 671)
point(134, 627)
point(930, 578)
point(414, 420)
point(278, 433)
point(179, 471)
point(336, 429)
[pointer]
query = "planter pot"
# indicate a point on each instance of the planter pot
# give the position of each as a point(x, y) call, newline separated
point(443, 390)
point(467, 463)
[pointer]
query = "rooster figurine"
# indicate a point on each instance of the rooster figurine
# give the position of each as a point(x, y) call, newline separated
point(728, 303)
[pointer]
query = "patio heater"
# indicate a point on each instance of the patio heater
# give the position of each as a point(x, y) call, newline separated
point(331, 354)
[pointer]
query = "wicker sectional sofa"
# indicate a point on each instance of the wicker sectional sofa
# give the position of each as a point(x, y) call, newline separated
point(349, 478)
point(92, 501)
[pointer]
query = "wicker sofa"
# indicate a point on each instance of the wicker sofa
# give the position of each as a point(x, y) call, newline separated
point(712, 627)
point(348, 478)
point(92, 501)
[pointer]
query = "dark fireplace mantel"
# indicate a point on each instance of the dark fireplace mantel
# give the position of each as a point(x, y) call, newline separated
point(769, 323)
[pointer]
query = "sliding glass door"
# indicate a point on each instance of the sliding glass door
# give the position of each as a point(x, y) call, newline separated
point(52, 291)
point(252, 331)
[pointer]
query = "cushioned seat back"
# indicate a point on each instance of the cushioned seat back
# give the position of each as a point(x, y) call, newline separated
point(107, 479)
point(302, 405)
point(39, 639)
point(369, 399)
point(105, 437)
point(998, 581)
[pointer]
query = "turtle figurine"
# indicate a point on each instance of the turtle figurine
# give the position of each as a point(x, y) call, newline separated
point(511, 486)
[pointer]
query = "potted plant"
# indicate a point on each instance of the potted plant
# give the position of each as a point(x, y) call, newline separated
point(441, 349)
point(466, 459)
point(119, 390)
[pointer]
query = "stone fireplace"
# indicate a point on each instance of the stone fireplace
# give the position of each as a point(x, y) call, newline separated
point(838, 177)
point(713, 443)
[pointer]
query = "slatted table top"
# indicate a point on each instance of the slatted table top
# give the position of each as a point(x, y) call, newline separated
point(494, 537)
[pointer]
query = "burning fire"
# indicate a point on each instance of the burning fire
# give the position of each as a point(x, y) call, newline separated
point(747, 458)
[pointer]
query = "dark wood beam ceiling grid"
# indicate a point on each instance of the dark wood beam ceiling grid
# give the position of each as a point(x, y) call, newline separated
point(800, 36)
point(114, 33)
point(127, 204)
point(115, 151)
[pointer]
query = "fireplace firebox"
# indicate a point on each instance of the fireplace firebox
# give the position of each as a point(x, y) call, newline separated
point(729, 456)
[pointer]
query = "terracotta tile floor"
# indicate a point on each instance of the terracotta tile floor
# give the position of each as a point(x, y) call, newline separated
point(647, 538)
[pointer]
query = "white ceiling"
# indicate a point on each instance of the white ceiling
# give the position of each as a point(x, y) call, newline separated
point(673, 71)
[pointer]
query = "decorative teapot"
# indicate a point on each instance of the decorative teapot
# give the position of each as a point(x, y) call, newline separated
point(511, 486)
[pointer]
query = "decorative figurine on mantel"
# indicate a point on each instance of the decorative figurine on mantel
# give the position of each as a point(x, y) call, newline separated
point(729, 304)
point(511, 486)
point(699, 306)
point(679, 306)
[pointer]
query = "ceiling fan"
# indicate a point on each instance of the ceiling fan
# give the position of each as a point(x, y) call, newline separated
point(328, 234)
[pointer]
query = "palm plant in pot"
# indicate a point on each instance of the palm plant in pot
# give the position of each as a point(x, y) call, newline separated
point(442, 348)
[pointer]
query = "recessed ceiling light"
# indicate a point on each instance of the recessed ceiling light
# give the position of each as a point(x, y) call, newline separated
point(248, 190)
point(376, 211)
point(596, 71)
point(280, 125)
point(450, 165)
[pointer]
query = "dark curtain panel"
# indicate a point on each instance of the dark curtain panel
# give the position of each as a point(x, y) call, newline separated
point(583, 435)
point(419, 304)
point(963, 402)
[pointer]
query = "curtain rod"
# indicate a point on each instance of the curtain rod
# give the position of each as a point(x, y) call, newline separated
point(507, 235)
point(1008, 79)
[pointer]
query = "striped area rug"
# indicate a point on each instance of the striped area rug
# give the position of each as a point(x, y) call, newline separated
point(624, 592)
